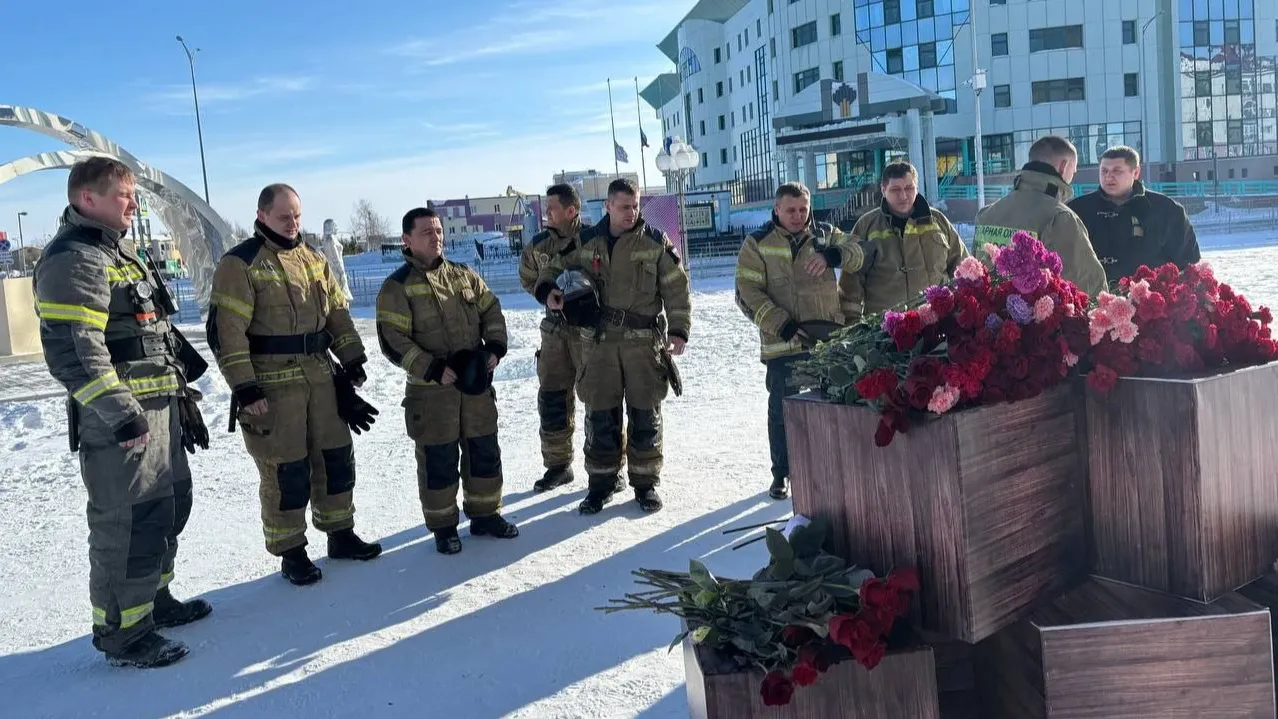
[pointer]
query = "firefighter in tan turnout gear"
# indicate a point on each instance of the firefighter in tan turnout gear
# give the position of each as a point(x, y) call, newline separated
point(440, 322)
point(104, 327)
point(275, 314)
point(786, 286)
point(635, 274)
point(559, 355)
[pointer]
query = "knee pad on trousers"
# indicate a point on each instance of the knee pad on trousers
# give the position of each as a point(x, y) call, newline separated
point(603, 432)
point(182, 502)
point(441, 465)
point(553, 408)
point(149, 537)
point(294, 481)
point(645, 428)
point(485, 456)
point(339, 466)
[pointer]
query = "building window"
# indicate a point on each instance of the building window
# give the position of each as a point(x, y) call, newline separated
point(927, 55)
point(752, 111)
point(1233, 33)
point(895, 62)
point(734, 153)
point(1070, 89)
point(758, 27)
point(1244, 173)
point(738, 42)
point(891, 12)
point(496, 209)
point(998, 2)
point(701, 96)
point(729, 84)
point(1129, 32)
point(749, 75)
point(998, 44)
point(836, 25)
point(703, 128)
point(1055, 38)
point(723, 156)
point(772, 46)
point(923, 8)
point(805, 34)
point(718, 89)
point(1131, 84)
point(838, 71)
point(741, 76)
point(769, 7)
point(1202, 33)
point(1002, 96)
point(747, 36)
point(723, 122)
point(805, 78)
point(718, 57)
point(1231, 173)
point(734, 118)
point(1234, 132)
point(705, 159)
point(776, 91)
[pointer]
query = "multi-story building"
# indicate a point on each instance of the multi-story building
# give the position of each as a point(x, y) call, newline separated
point(592, 184)
point(828, 91)
point(509, 214)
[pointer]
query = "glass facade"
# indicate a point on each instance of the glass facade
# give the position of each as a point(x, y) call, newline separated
point(913, 39)
point(754, 179)
point(1227, 92)
point(1011, 150)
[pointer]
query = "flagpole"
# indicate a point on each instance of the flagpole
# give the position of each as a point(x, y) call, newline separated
point(616, 166)
point(643, 163)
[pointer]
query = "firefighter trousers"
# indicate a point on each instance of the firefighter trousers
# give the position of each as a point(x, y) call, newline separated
point(557, 362)
point(455, 438)
point(139, 501)
point(304, 455)
point(777, 380)
point(621, 370)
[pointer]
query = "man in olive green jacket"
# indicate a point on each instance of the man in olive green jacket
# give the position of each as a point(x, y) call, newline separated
point(1037, 204)
point(917, 247)
point(785, 278)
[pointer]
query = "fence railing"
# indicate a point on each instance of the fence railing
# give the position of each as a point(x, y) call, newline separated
point(1199, 190)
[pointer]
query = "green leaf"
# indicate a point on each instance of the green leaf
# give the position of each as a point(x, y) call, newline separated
point(802, 569)
point(700, 634)
point(705, 598)
point(857, 576)
point(839, 375)
point(677, 641)
point(828, 564)
point(762, 597)
point(778, 546)
point(806, 541)
point(702, 576)
point(859, 362)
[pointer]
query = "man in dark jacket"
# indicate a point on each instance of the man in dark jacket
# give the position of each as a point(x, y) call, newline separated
point(1130, 226)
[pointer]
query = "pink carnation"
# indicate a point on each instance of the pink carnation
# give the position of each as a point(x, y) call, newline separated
point(927, 314)
point(1119, 309)
point(1096, 334)
point(970, 269)
point(992, 251)
point(1125, 332)
point(1043, 308)
point(943, 399)
point(1071, 359)
point(1204, 269)
point(1099, 319)
point(1139, 291)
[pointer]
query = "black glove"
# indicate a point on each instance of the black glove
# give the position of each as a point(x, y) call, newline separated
point(355, 372)
point(194, 433)
point(354, 411)
point(787, 331)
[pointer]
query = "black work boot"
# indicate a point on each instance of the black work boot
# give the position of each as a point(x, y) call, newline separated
point(599, 494)
point(778, 490)
point(169, 612)
point(648, 499)
point(344, 544)
point(554, 477)
point(298, 568)
point(150, 651)
point(447, 541)
point(493, 526)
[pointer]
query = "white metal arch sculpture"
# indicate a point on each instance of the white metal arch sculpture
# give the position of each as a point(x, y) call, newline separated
point(201, 234)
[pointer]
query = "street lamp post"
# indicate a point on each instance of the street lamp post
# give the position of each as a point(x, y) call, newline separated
point(199, 129)
point(678, 161)
point(1144, 96)
point(21, 267)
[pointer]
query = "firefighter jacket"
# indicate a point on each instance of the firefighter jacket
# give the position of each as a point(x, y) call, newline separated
point(106, 338)
point(1148, 229)
point(426, 314)
point(1037, 204)
point(537, 255)
point(774, 289)
point(915, 253)
point(637, 275)
point(276, 311)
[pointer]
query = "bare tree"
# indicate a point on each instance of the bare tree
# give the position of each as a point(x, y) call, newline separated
point(368, 225)
point(238, 232)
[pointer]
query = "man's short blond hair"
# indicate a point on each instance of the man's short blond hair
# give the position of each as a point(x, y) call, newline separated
point(97, 174)
point(792, 189)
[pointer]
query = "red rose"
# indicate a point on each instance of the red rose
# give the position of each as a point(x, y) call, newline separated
point(1149, 350)
point(776, 690)
point(804, 675)
point(852, 631)
point(884, 434)
point(874, 385)
point(970, 315)
point(903, 339)
point(904, 578)
point(1018, 367)
point(875, 593)
point(814, 656)
point(795, 635)
point(870, 656)
point(912, 322)
point(925, 369)
point(1102, 379)
point(943, 304)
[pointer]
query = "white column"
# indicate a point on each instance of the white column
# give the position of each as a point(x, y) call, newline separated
point(792, 166)
point(809, 170)
point(931, 182)
point(914, 138)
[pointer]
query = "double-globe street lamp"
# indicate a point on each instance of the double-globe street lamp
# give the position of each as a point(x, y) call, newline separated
point(678, 160)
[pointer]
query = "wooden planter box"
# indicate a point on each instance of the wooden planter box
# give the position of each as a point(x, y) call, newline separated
point(902, 685)
point(988, 504)
point(1184, 487)
point(1108, 649)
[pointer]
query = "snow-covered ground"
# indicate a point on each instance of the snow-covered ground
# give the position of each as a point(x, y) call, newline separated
point(507, 628)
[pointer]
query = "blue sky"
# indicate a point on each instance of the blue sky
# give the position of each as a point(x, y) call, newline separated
point(390, 100)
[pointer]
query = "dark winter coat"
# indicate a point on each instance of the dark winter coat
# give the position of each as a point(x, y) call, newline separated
point(1148, 229)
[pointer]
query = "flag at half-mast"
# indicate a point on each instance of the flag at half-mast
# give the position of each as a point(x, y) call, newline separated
point(643, 138)
point(621, 152)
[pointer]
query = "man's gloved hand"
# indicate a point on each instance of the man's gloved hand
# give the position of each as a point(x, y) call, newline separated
point(354, 411)
point(194, 432)
point(355, 371)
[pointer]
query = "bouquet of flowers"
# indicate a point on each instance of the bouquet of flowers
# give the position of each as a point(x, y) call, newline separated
point(804, 612)
point(986, 337)
point(1167, 321)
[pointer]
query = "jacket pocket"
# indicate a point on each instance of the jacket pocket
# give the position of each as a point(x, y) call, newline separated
point(645, 278)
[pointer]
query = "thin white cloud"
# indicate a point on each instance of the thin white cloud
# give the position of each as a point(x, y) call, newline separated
point(215, 93)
